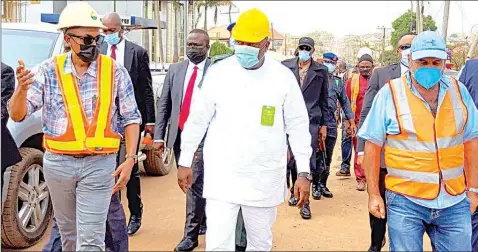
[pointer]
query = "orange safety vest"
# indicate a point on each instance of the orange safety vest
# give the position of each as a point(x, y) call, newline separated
point(80, 136)
point(428, 151)
point(354, 91)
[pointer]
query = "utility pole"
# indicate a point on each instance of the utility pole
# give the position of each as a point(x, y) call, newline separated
point(383, 44)
point(186, 12)
point(419, 16)
point(272, 37)
point(446, 15)
point(411, 16)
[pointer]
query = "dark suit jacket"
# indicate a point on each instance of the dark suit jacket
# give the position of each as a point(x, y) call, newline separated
point(10, 154)
point(136, 61)
point(315, 91)
point(170, 102)
point(380, 77)
point(469, 77)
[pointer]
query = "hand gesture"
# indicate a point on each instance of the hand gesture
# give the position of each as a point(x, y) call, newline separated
point(185, 178)
point(302, 191)
point(124, 173)
point(24, 76)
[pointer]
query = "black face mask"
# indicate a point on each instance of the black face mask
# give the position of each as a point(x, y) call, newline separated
point(196, 55)
point(88, 53)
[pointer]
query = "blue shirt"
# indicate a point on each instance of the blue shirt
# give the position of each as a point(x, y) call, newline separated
point(337, 93)
point(469, 76)
point(382, 120)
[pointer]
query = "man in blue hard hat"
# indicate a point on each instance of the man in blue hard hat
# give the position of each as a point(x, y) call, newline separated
point(427, 124)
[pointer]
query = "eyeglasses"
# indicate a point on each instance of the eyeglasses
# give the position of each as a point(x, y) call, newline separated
point(305, 48)
point(88, 40)
point(405, 46)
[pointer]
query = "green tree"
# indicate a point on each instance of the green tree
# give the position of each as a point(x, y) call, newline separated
point(390, 57)
point(401, 25)
point(218, 48)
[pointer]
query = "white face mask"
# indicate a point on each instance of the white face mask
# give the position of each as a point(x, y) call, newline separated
point(404, 59)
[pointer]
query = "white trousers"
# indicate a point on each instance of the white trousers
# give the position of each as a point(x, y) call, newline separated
point(222, 220)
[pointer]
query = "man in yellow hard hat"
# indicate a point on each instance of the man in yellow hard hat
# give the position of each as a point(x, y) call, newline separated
point(247, 105)
point(81, 94)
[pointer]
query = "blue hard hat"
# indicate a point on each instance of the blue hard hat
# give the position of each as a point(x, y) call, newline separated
point(229, 27)
point(330, 56)
point(428, 44)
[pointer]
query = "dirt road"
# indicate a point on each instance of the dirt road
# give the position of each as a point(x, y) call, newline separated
point(340, 223)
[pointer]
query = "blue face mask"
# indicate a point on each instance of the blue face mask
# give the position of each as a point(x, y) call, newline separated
point(247, 56)
point(427, 77)
point(304, 55)
point(232, 43)
point(330, 67)
point(404, 59)
point(113, 38)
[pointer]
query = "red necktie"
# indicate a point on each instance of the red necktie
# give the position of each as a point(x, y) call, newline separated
point(183, 115)
point(113, 52)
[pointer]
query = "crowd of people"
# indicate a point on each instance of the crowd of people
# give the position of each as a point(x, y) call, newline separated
point(244, 128)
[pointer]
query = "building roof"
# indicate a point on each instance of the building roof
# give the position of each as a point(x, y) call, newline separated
point(221, 33)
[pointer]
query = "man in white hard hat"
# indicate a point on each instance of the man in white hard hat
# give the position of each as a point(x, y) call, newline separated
point(81, 94)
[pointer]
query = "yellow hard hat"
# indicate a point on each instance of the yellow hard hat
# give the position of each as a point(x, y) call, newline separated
point(79, 14)
point(252, 26)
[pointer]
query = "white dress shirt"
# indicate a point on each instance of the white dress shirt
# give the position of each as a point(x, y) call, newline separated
point(120, 47)
point(244, 158)
point(199, 76)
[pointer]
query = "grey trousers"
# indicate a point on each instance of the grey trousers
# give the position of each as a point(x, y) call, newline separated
point(80, 189)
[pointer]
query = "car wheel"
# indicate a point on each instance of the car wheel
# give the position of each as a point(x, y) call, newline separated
point(157, 163)
point(27, 209)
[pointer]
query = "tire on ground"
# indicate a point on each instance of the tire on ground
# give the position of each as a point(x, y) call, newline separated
point(13, 236)
point(155, 164)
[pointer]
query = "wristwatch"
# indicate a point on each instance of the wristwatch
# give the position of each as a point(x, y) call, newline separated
point(473, 190)
point(133, 156)
point(306, 175)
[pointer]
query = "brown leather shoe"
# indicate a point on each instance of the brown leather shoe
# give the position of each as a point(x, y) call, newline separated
point(361, 186)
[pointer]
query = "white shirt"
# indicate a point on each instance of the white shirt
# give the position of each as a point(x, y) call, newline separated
point(189, 73)
point(120, 47)
point(245, 161)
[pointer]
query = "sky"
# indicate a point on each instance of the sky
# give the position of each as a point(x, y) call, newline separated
point(353, 17)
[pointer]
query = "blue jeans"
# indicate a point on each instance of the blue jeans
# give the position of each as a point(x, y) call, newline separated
point(80, 190)
point(346, 149)
point(474, 240)
point(449, 229)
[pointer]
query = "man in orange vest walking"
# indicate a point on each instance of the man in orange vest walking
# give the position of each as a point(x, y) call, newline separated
point(355, 89)
point(427, 124)
point(81, 94)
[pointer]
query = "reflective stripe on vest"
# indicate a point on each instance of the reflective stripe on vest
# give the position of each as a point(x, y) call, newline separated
point(427, 149)
point(81, 137)
point(354, 91)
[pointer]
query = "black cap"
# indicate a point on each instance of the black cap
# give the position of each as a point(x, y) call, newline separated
point(306, 41)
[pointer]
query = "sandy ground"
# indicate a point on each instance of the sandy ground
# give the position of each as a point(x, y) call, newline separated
point(340, 223)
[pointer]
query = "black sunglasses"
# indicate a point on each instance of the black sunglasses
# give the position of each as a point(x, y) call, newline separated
point(405, 46)
point(305, 48)
point(88, 40)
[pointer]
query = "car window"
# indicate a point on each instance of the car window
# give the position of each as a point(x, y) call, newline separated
point(32, 47)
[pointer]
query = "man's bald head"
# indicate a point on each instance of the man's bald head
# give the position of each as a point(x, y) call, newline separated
point(112, 20)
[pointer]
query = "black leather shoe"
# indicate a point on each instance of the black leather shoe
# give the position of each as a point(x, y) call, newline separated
point(292, 200)
point(240, 248)
point(326, 192)
point(316, 192)
point(202, 230)
point(134, 224)
point(305, 212)
point(186, 245)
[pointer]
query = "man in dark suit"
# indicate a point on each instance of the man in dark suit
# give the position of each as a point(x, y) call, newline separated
point(181, 86)
point(469, 77)
point(10, 153)
point(312, 78)
point(380, 77)
point(136, 60)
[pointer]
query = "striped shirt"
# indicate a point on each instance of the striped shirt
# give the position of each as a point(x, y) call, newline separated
point(45, 93)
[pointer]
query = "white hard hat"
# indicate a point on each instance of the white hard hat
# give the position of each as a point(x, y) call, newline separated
point(79, 14)
point(364, 50)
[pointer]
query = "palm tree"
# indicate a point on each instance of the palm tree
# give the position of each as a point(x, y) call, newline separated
point(215, 4)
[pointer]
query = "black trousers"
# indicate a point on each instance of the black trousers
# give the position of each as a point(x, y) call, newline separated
point(133, 188)
point(379, 226)
point(324, 163)
point(195, 203)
